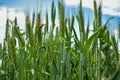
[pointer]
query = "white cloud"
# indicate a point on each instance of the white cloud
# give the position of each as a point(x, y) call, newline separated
point(110, 4)
point(20, 16)
point(11, 15)
point(3, 16)
point(72, 2)
point(21, 19)
point(87, 3)
point(2, 35)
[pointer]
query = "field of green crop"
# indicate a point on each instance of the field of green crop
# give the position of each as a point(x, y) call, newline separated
point(44, 52)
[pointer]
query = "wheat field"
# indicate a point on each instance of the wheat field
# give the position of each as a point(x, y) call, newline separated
point(51, 52)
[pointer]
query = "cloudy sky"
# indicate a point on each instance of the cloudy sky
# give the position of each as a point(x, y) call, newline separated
point(109, 6)
point(12, 8)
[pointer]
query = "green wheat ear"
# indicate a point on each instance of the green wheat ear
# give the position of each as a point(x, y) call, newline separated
point(99, 14)
point(47, 24)
point(61, 18)
point(38, 29)
point(119, 31)
point(53, 14)
point(7, 30)
point(95, 14)
point(29, 31)
point(33, 20)
point(12, 54)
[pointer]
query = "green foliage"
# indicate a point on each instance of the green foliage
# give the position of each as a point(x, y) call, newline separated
point(40, 54)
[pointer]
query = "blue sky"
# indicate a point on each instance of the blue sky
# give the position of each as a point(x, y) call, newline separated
point(109, 6)
point(18, 7)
